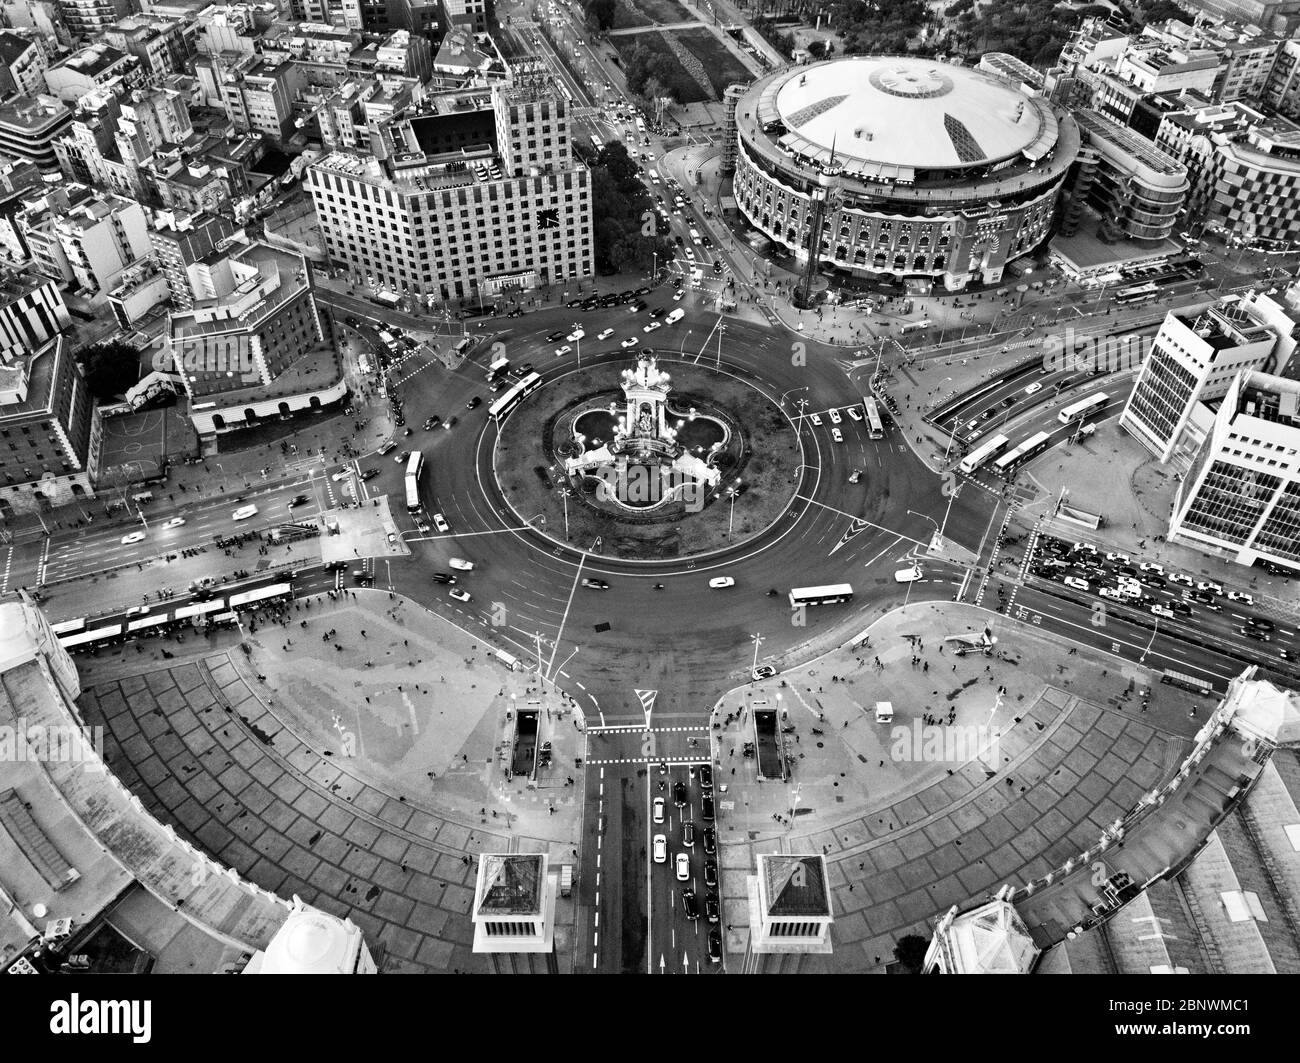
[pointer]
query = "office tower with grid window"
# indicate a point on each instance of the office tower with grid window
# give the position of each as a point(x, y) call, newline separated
point(1193, 359)
point(1241, 497)
point(475, 194)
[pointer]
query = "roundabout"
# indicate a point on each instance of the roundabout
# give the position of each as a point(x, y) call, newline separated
point(653, 462)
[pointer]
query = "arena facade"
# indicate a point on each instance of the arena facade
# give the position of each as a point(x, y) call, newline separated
point(917, 168)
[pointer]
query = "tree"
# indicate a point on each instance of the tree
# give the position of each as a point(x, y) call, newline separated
point(1160, 10)
point(910, 951)
point(111, 368)
point(600, 13)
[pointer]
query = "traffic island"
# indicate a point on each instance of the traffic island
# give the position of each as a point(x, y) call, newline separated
point(648, 462)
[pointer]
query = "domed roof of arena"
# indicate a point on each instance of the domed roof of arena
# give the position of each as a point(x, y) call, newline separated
point(908, 112)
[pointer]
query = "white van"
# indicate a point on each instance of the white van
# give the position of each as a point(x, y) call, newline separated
point(908, 575)
point(654, 177)
point(674, 316)
point(695, 235)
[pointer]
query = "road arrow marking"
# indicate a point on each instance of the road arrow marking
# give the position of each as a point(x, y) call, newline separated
point(856, 527)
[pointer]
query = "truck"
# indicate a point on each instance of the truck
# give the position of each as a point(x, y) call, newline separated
point(388, 299)
point(675, 316)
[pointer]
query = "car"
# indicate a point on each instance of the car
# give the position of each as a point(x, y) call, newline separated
point(855, 414)
point(689, 905)
point(351, 322)
point(576, 335)
point(443, 577)
point(369, 474)
point(605, 334)
point(816, 419)
point(855, 476)
point(449, 424)
point(336, 566)
point(717, 265)
point(837, 435)
point(659, 810)
point(1128, 570)
point(1181, 608)
point(1034, 388)
point(302, 500)
point(763, 671)
point(638, 306)
point(706, 808)
point(388, 446)
point(400, 459)
point(1210, 586)
point(660, 849)
point(679, 794)
point(432, 423)
point(555, 337)
point(474, 403)
point(1259, 623)
point(1178, 577)
point(706, 777)
point(688, 834)
point(683, 867)
point(908, 575)
point(715, 946)
point(710, 841)
point(459, 595)
point(1255, 633)
point(1131, 590)
point(678, 295)
point(244, 512)
point(1240, 596)
point(651, 327)
point(132, 538)
point(1162, 610)
point(1084, 548)
point(630, 342)
point(1148, 580)
point(1121, 558)
point(461, 564)
point(1077, 583)
point(712, 910)
point(711, 874)
point(1111, 592)
point(340, 476)
point(678, 240)
point(595, 584)
point(1010, 400)
point(175, 522)
point(440, 522)
point(560, 352)
point(718, 582)
point(656, 311)
point(1151, 566)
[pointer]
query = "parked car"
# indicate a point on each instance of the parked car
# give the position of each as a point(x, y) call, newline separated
point(763, 671)
point(474, 403)
point(440, 522)
point(660, 849)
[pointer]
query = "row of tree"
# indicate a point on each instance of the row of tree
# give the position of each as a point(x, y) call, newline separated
point(657, 75)
point(626, 226)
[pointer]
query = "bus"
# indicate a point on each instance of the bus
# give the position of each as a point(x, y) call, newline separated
point(414, 466)
point(1080, 410)
point(596, 145)
point(985, 453)
point(499, 368)
point(916, 326)
point(501, 409)
point(871, 411)
point(829, 595)
point(260, 595)
point(1136, 294)
point(1035, 444)
point(68, 627)
point(1187, 682)
point(90, 639)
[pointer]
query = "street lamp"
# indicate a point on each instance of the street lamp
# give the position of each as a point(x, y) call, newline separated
point(565, 493)
point(758, 640)
point(577, 331)
point(732, 491)
point(781, 400)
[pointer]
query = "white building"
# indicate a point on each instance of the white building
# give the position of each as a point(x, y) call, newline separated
point(1193, 360)
point(313, 942)
point(789, 905)
point(480, 196)
point(1241, 497)
point(514, 908)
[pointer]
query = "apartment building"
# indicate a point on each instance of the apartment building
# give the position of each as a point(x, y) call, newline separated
point(32, 313)
point(29, 126)
point(163, 45)
point(1240, 498)
point(179, 240)
point(1193, 360)
point(98, 66)
point(88, 19)
point(1136, 189)
point(477, 196)
point(22, 64)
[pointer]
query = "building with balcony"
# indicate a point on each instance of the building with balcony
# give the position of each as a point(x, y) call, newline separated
point(29, 126)
point(1240, 498)
point(180, 240)
point(1193, 360)
point(1135, 188)
point(477, 194)
point(253, 346)
point(88, 19)
point(163, 45)
point(22, 64)
point(901, 168)
point(97, 66)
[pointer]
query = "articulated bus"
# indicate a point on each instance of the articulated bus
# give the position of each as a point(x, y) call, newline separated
point(1078, 411)
point(985, 453)
point(414, 466)
point(68, 627)
point(500, 409)
point(1136, 294)
point(829, 595)
point(1035, 444)
point(875, 429)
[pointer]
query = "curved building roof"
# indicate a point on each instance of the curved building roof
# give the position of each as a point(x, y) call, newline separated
point(918, 114)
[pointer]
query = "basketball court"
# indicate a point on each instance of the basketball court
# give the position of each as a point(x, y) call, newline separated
point(136, 444)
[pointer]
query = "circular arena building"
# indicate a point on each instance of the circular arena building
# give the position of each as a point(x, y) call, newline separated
point(916, 168)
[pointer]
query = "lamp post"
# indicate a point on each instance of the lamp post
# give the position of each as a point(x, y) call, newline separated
point(732, 491)
point(577, 331)
point(564, 495)
point(758, 640)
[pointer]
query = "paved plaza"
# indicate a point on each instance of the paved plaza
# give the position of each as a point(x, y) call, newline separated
point(1038, 758)
point(364, 779)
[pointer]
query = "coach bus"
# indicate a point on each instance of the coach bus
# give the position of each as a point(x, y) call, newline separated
point(1080, 410)
point(414, 466)
point(875, 428)
point(916, 326)
point(501, 409)
point(1137, 294)
point(984, 454)
point(829, 595)
point(1035, 444)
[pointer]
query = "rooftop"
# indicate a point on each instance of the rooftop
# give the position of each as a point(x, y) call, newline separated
point(795, 885)
point(510, 884)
